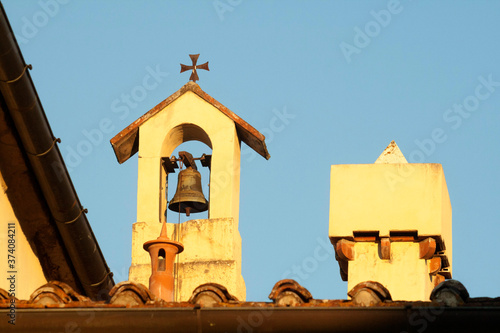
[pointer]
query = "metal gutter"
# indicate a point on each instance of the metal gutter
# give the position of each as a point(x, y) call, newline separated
point(48, 166)
point(30, 207)
point(249, 319)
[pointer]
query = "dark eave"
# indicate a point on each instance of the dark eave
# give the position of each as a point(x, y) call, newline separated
point(35, 221)
point(42, 176)
point(126, 143)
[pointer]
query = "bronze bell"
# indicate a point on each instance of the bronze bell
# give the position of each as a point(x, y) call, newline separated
point(189, 196)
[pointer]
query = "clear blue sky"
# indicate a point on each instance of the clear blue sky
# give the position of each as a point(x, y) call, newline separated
point(349, 76)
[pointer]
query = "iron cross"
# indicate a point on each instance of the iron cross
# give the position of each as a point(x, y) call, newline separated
point(194, 76)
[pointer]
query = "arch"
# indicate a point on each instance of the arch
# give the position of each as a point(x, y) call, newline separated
point(161, 260)
point(189, 119)
point(183, 133)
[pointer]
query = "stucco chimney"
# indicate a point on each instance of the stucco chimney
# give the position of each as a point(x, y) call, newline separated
point(390, 222)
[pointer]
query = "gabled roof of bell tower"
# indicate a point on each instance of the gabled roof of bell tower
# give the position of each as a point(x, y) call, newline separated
point(126, 143)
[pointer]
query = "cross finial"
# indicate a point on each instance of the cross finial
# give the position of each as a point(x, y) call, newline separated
point(194, 76)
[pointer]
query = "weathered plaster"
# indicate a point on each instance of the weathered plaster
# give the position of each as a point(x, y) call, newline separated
point(29, 274)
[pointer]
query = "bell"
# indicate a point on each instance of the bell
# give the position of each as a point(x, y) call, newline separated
point(189, 196)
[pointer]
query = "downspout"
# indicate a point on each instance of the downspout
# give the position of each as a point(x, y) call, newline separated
point(48, 166)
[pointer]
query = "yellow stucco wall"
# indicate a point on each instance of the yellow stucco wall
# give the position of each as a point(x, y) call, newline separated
point(202, 239)
point(390, 197)
point(212, 253)
point(29, 274)
point(404, 274)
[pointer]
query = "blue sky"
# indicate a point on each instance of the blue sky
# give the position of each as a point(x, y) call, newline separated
point(327, 82)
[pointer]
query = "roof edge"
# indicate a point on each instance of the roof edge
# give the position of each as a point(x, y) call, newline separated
point(24, 107)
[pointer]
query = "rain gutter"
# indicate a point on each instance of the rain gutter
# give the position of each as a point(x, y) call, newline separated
point(38, 141)
point(255, 319)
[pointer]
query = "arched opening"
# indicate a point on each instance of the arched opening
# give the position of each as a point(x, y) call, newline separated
point(194, 140)
point(161, 260)
point(183, 133)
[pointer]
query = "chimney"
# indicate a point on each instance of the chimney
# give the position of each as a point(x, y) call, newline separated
point(162, 251)
point(390, 222)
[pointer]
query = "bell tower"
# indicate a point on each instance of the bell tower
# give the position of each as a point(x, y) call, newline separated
point(212, 247)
